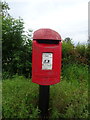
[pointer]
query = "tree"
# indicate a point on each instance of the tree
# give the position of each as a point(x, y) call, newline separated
point(16, 48)
point(68, 40)
point(4, 8)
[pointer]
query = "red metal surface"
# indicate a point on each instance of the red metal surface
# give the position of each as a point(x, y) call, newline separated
point(46, 34)
point(46, 77)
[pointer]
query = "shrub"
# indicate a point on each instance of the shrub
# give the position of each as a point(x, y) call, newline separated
point(68, 52)
point(75, 72)
point(81, 53)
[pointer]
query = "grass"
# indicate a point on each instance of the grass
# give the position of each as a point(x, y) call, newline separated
point(20, 98)
point(68, 99)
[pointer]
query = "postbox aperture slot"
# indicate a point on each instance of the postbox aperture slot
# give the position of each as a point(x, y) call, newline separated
point(48, 41)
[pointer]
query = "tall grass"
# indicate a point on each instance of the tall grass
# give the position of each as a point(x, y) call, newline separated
point(20, 98)
point(68, 99)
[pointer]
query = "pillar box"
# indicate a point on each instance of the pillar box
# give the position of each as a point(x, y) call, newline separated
point(46, 57)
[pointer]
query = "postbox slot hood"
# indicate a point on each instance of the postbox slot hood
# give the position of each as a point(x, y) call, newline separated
point(46, 34)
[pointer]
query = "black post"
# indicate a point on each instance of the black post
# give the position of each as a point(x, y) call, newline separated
point(44, 101)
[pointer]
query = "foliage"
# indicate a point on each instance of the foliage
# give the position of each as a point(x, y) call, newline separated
point(4, 8)
point(68, 99)
point(20, 98)
point(16, 44)
point(68, 52)
point(17, 47)
point(74, 54)
point(76, 72)
point(81, 53)
point(88, 53)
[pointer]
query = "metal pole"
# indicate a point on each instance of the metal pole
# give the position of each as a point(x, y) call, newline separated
point(44, 101)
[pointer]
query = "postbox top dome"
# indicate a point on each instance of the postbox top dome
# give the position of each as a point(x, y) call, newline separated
point(47, 34)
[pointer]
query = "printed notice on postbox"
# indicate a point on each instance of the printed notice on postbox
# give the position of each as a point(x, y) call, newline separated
point(47, 61)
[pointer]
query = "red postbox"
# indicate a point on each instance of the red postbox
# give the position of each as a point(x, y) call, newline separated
point(46, 57)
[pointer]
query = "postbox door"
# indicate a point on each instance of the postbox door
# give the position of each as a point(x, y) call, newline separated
point(46, 63)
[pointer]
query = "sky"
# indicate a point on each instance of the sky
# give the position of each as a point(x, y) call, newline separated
point(68, 17)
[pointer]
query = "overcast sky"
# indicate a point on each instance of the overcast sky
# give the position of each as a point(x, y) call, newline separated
point(68, 17)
